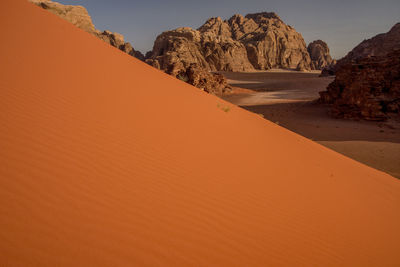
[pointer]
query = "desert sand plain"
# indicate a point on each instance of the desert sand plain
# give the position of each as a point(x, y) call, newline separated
point(289, 99)
point(106, 161)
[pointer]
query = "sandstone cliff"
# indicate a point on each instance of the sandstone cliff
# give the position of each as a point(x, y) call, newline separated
point(320, 55)
point(380, 45)
point(257, 41)
point(367, 88)
point(79, 16)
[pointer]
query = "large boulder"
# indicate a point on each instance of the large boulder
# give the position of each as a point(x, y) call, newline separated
point(320, 55)
point(380, 45)
point(367, 88)
point(79, 16)
point(257, 41)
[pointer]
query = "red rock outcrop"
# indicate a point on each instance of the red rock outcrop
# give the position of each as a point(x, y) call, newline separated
point(79, 16)
point(380, 45)
point(256, 41)
point(213, 83)
point(208, 50)
point(320, 55)
point(367, 88)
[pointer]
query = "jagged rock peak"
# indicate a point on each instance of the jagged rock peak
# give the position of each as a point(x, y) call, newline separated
point(256, 41)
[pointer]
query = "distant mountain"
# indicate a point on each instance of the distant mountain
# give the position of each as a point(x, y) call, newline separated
point(258, 41)
point(320, 55)
point(380, 45)
point(367, 83)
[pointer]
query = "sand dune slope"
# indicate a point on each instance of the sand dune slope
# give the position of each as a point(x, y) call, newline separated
point(105, 161)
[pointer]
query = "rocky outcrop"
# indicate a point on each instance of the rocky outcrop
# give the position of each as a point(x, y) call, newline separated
point(367, 88)
point(79, 16)
point(117, 40)
point(213, 83)
point(257, 41)
point(185, 46)
point(269, 42)
point(320, 55)
point(380, 45)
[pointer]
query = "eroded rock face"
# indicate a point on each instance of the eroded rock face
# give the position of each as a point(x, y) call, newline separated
point(257, 41)
point(320, 55)
point(380, 45)
point(185, 46)
point(117, 40)
point(367, 88)
point(213, 83)
point(79, 16)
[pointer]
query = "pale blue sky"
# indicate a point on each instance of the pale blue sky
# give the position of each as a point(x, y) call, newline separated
point(342, 24)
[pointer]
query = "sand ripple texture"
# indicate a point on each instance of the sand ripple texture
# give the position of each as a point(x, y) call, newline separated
point(105, 161)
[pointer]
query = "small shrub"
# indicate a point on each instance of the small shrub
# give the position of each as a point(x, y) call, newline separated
point(223, 108)
point(183, 77)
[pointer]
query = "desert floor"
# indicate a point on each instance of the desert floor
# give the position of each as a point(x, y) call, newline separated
point(287, 98)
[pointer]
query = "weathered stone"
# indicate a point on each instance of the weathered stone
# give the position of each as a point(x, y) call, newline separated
point(257, 41)
point(380, 45)
point(213, 83)
point(367, 88)
point(320, 55)
point(76, 15)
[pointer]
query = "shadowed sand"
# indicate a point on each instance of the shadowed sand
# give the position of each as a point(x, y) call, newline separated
point(287, 99)
point(105, 161)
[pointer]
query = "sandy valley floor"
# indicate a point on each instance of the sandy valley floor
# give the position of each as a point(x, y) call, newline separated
point(287, 98)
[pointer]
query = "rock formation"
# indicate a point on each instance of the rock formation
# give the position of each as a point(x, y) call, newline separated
point(117, 40)
point(367, 88)
point(257, 41)
point(319, 54)
point(79, 16)
point(213, 83)
point(212, 52)
point(380, 45)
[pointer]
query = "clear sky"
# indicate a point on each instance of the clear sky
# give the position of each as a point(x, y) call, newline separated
point(342, 24)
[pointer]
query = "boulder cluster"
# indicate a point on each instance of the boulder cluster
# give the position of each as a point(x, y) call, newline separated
point(367, 82)
point(213, 83)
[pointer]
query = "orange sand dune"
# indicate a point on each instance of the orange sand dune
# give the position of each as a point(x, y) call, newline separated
point(105, 161)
